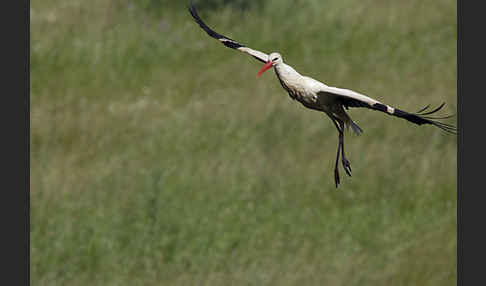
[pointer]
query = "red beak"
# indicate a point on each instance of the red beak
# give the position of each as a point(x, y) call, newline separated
point(268, 65)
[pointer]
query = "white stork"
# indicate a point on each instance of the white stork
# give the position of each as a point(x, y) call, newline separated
point(316, 95)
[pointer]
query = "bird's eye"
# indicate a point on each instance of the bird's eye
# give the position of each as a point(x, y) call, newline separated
point(275, 59)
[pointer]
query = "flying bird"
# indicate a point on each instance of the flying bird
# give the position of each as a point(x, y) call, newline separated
point(333, 101)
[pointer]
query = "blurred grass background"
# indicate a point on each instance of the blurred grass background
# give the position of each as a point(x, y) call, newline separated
point(158, 157)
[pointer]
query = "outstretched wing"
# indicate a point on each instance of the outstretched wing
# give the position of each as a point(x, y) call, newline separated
point(230, 43)
point(349, 98)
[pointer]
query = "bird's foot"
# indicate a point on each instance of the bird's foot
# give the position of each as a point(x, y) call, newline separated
point(346, 166)
point(336, 177)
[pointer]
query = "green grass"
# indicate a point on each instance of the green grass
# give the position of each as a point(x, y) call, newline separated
point(158, 157)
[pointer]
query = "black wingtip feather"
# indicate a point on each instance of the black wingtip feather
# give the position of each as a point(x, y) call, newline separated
point(228, 42)
point(433, 111)
point(422, 117)
point(199, 21)
point(423, 109)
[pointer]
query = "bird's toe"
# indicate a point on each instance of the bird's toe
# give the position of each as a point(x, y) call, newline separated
point(347, 166)
point(336, 177)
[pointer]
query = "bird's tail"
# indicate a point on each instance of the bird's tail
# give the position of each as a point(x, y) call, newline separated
point(420, 117)
point(356, 129)
point(348, 122)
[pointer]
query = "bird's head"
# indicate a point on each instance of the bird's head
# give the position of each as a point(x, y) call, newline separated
point(273, 60)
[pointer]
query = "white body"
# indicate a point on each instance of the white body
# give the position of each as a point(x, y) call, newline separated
point(317, 95)
point(308, 88)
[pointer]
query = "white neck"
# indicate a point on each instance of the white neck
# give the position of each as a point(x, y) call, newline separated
point(287, 73)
